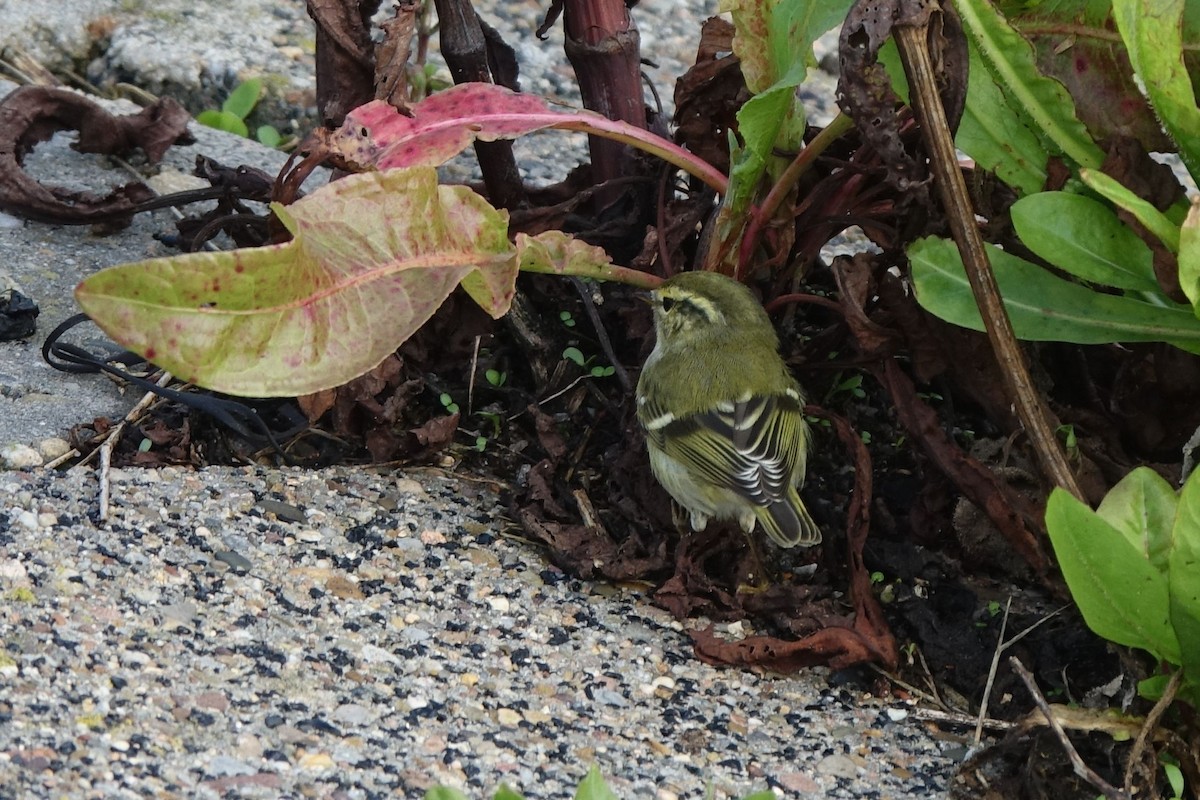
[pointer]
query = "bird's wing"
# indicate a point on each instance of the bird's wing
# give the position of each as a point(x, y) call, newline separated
point(754, 446)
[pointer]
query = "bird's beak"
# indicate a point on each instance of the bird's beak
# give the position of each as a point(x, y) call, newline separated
point(646, 297)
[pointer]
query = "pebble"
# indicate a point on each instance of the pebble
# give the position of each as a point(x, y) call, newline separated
point(52, 448)
point(19, 456)
point(234, 559)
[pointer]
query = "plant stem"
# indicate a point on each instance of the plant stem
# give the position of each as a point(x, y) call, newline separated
point(465, 51)
point(604, 272)
point(943, 161)
point(779, 192)
point(604, 48)
point(655, 145)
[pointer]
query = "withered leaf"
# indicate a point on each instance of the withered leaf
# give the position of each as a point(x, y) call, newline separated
point(33, 114)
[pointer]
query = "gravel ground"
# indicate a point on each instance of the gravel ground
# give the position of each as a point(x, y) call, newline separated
point(356, 633)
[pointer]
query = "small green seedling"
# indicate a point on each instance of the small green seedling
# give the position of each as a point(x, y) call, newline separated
point(1174, 775)
point(423, 81)
point(851, 387)
point(567, 318)
point(232, 116)
point(495, 377)
point(448, 403)
point(574, 354)
point(1069, 440)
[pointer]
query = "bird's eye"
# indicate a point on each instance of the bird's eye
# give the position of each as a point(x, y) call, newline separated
point(667, 302)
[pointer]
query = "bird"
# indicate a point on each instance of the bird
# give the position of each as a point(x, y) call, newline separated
point(722, 414)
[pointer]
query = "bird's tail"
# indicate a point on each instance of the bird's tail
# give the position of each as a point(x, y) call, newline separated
point(788, 522)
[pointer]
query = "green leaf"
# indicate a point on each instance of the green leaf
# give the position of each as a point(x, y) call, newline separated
point(1174, 778)
point(1155, 221)
point(1184, 565)
point(1042, 306)
point(762, 117)
point(1152, 688)
point(267, 135)
point(993, 134)
point(573, 354)
point(243, 98)
point(773, 39)
point(1142, 507)
point(593, 787)
point(506, 792)
point(1189, 255)
point(374, 255)
point(1152, 32)
point(223, 121)
point(1045, 101)
point(1121, 595)
point(1075, 44)
point(1082, 236)
point(444, 793)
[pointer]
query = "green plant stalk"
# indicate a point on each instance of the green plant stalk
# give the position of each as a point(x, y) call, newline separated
point(789, 178)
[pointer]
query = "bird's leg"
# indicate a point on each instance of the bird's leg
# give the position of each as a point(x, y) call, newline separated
point(681, 518)
point(756, 577)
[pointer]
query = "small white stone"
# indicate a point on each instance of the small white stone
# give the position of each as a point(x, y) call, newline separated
point(53, 447)
point(27, 520)
point(168, 181)
point(409, 486)
point(499, 604)
point(47, 519)
point(429, 536)
point(310, 535)
point(897, 714)
point(373, 654)
point(19, 456)
point(135, 658)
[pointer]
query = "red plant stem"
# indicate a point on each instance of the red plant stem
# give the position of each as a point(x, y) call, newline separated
point(655, 145)
point(606, 272)
point(763, 214)
point(809, 299)
point(604, 48)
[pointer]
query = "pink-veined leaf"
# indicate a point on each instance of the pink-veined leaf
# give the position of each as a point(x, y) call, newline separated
point(377, 136)
point(372, 258)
